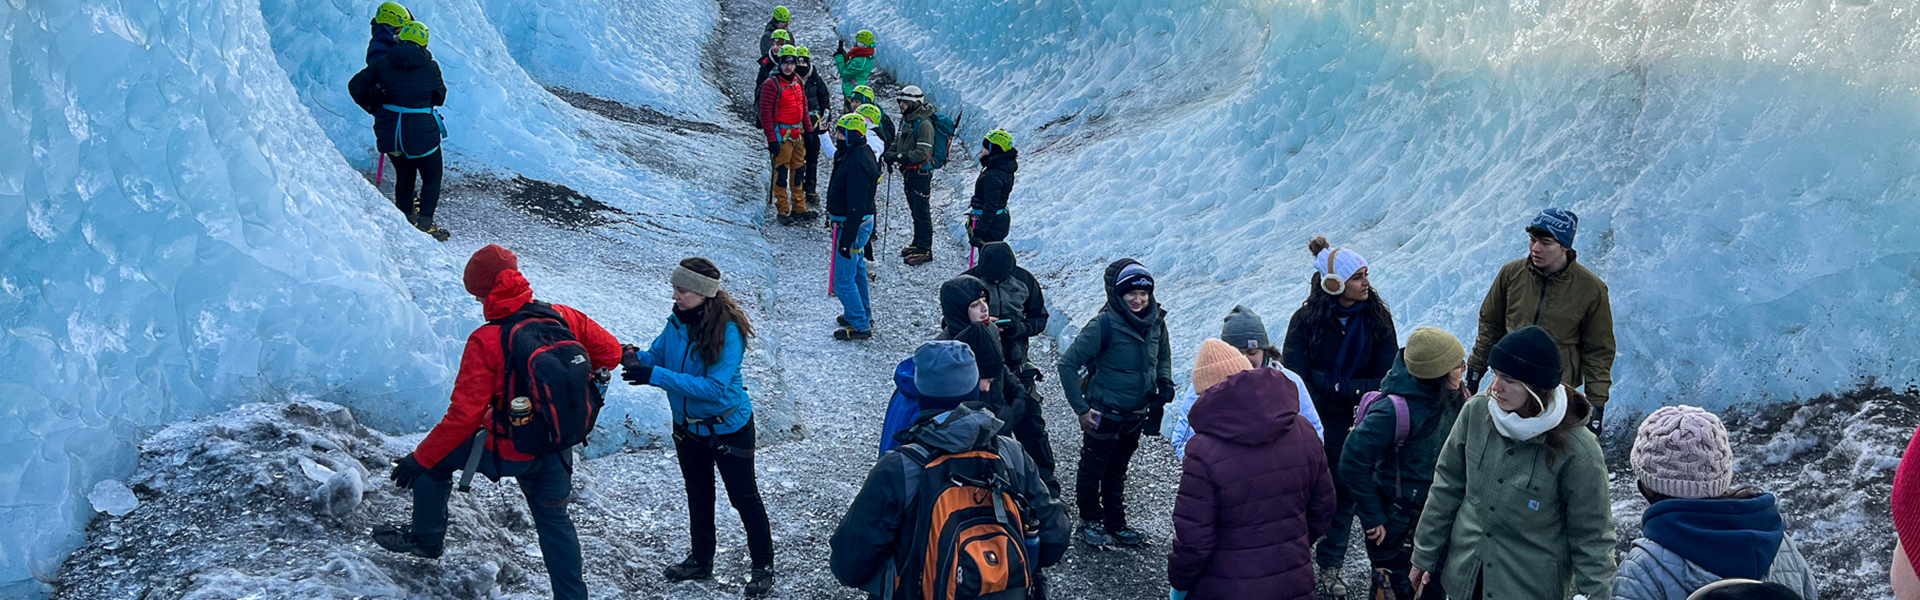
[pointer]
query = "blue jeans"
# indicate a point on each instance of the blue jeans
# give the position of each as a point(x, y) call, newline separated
point(850, 279)
point(547, 484)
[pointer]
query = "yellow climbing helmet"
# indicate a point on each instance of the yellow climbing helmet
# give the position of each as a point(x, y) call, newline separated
point(1000, 138)
point(415, 32)
point(864, 38)
point(871, 112)
point(392, 14)
point(863, 93)
point(781, 14)
point(803, 52)
point(781, 34)
point(854, 122)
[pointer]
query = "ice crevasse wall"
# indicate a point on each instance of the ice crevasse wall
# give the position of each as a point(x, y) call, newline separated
point(185, 229)
point(1745, 170)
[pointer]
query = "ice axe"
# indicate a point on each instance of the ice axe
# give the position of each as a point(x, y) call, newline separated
point(833, 254)
point(379, 172)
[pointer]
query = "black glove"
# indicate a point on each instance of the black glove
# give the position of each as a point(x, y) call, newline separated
point(842, 49)
point(1154, 416)
point(405, 471)
point(1163, 393)
point(632, 370)
point(773, 149)
point(1599, 414)
point(1473, 381)
point(843, 243)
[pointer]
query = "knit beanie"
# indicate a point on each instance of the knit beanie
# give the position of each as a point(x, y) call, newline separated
point(1744, 589)
point(1906, 501)
point(1132, 277)
point(944, 374)
point(1682, 452)
point(1432, 353)
point(486, 264)
point(1216, 362)
point(1529, 355)
point(1558, 223)
point(1245, 331)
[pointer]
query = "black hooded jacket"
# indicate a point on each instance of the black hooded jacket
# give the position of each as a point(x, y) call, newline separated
point(850, 189)
point(995, 184)
point(955, 295)
point(406, 77)
point(1014, 295)
point(818, 96)
point(1130, 365)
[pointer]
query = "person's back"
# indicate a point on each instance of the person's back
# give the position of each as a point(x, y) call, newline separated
point(386, 24)
point(406, 77)
point(1254, 493)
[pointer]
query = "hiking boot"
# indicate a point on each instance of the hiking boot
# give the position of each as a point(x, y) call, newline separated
point(842, 320)
point(919, 258)
point(1128, 536)
point(908, 251)
point(807, 215)
point(786, 219)
point(400, 539)
point(1095, 534)
point(760, 582)
point(413, 219)
point(689, 569)
point(425, 225)
point(1333, 582)
point(849, 334)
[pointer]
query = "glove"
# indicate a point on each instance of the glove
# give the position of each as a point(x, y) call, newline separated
point(841, 50)
point(1599, 415)
point(1473, 381)
point(1164, 392)
point(773, 149)
point(1155, 416)
point(632, 370)
point(843, 243)
point(405, 471)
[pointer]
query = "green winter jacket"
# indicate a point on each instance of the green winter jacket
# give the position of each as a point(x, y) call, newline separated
point(913, 144)
point(1571, 305)
point(854, 69)
point(1538, 529)
point(1369, 462)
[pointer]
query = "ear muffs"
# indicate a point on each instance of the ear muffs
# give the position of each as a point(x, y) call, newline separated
point(1331, 282)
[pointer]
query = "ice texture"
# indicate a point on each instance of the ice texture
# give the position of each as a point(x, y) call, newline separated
point(1744, 171)
point(112, 497)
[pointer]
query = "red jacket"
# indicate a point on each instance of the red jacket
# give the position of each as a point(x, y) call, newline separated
point(479, 383)
point(770, 101)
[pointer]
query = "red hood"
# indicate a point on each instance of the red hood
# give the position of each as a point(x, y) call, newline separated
point(510, 292)
point(860, 52)
point(1251, 408)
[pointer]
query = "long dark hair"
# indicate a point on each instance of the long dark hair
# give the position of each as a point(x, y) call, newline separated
point(711, 340)
point(1321, 305)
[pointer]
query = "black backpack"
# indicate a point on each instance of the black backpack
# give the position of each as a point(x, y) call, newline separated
point(546, 364)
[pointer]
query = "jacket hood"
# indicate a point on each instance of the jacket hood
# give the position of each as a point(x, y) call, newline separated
point(1729, 538)
point(1579, 409)
point(996, 262)
point(860, 52)
point(955, 295)
point(959, 430)
point(1401, 383)
point(409, 56)
point(510, 292)
point(1250, 408)
point(920, 111)
point(903, 379)
point(1119, 307)
point(1008, 161)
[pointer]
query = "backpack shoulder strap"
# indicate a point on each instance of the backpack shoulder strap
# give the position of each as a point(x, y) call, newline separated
point(1401, 423)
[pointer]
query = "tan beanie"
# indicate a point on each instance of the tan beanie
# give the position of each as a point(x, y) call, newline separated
point(1682, 451)
point(1216, 362)
point(1432, 353)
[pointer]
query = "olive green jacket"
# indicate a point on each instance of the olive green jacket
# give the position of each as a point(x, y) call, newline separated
point(1572, 306)
point(1538, 528)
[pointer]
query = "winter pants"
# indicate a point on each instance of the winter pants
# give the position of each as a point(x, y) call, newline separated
point(1337, 418)
point(1031, 429)
point(1393, 558)
point(919, 186)
point(405, 171)
point(732, 454)
point(989, 227)
point(850, 278)
point(812, 170)
point(788, 194)
point(1100, 486)
point(547, 484)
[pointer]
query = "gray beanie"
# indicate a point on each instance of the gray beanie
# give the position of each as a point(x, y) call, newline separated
point(944, 369)
point(1245, 331)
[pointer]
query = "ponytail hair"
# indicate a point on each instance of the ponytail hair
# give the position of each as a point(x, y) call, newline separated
point(711, 340)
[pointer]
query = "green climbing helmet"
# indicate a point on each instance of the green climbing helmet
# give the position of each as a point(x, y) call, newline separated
point(788, 54)
point(781, 14)
point(392, 14)
point(854, 122)
point(1000, 138)
point(865, 38)
point(803, 52)
point(871, 112)
point(863, 94)
point(415, 32)
point(781, 34)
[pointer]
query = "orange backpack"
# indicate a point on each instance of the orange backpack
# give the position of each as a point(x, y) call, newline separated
point(970, 541)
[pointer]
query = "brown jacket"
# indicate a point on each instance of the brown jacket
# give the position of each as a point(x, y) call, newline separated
point(1571, 305)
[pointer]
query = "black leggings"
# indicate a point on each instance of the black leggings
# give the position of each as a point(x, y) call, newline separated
point(1100, 486)
point(732, 453)
point(427, 168)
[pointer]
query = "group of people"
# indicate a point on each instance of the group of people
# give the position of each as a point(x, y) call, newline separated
point(400, 87)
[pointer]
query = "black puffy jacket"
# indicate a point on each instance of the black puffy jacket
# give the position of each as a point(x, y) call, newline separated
point(995, 184)
point(819, 98)
point(407, 77)
point(1012, 294)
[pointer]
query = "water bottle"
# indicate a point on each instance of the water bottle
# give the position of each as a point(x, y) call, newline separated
point(520, 410)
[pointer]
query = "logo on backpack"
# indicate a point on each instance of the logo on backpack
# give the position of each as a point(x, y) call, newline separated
point(549, 367)
point(971, 540)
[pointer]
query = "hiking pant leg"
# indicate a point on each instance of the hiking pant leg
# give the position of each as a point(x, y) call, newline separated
point(1086, 482)
point(430, 493)
point(1031, 430)
point(430, 172)
point(405, 171)
point(850, 278)
point(919, 188)
point(548, 487)
point(992, 227)
point(1394, 555)
point(743, 492)
point(1113, 487)
point(812, 170)
point(793, 158)
point(696, 469)
point(1331, 551)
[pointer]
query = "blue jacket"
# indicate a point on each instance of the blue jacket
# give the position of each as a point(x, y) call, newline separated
point(714, 394)
point(902, 408)
point(1691, 543)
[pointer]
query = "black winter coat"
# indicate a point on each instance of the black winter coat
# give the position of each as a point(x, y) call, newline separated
point(407, 77)
point(1311, 350)
point(995, 184)
point(1006, 394)
point(818, 97)
point(850, 189)
point(1012, 294)
point(380, 41)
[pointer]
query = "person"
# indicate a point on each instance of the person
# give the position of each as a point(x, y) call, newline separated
point(1129, 353)
point(785, 119)
point(1551, 289)
point(1018, 308)
point(1388, 469)
point(964, 318)
point(1744, 589)
point(855, 65)
point(912, 149)
point(1342, 339)
point(818, 99)
point(782, 22)
point(1254, 492)
point(769, 62)
point(1519, 505)
point(988, 220)
point(864, 95)
point(850, 191)
point(875, 120)
point(696, 360)
point(1905, 506)
point(1244, 334)
point(876, 540)
point(386, 25)
point(493, 277)
point(400, 91)
point(1697, 530)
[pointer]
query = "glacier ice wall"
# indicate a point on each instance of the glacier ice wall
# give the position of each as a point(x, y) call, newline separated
point(1744, 169)
point(615, 49)
point(181, 239)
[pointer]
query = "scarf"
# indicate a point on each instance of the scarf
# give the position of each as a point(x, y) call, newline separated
point(1353, 348)
point(1520, 429)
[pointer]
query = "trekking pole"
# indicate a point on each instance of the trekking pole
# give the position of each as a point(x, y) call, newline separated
point(971, 249)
